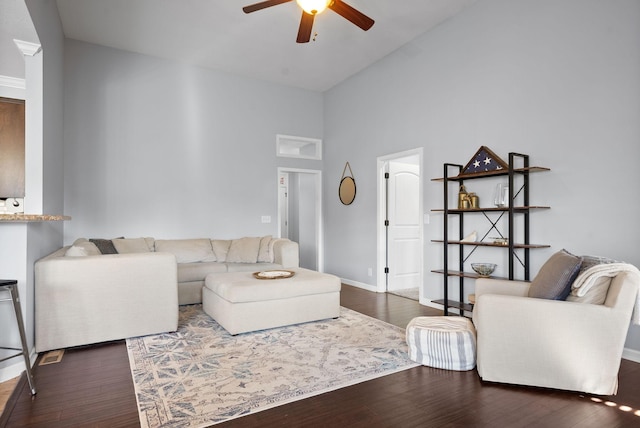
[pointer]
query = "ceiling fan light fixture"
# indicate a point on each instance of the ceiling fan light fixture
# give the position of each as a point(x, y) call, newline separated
point(313, 7)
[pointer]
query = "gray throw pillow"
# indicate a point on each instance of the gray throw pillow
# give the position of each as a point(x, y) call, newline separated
point(556, 276)
point(105, 246)
point(591, 261)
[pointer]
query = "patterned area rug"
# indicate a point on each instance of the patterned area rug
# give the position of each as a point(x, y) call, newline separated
point(201, 375)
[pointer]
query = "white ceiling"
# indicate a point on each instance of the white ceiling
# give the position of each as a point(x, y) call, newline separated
point(217, 34)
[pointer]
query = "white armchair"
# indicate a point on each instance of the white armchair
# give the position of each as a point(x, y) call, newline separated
point(552, 343)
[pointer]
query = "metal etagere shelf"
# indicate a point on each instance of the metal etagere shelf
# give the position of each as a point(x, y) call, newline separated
point(518, 251)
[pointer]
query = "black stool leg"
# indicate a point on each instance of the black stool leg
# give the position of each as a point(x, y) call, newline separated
point(25, 349)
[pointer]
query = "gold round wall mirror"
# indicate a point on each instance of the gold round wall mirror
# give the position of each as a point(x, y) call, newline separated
point(347, 189)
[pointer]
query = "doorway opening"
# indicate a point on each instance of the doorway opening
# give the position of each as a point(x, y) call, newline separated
point(300, 213)
point(400, 224)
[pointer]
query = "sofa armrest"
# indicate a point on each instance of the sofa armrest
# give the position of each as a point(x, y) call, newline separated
point(83, 300)
point(286, 253)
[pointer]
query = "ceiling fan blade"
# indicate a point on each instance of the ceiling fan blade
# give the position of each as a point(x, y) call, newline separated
point(306, 26)
point(263, 5)
point(351, 14)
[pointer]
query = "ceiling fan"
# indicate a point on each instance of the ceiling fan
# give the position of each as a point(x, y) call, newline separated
point(310, 8)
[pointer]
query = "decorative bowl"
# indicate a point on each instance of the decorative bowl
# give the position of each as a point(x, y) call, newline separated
point(483, 269)
point(500, 241)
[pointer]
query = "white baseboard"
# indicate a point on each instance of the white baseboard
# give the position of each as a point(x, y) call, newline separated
point(429, 303)
point(14, 370)
point(367, 287)
point(631, 355)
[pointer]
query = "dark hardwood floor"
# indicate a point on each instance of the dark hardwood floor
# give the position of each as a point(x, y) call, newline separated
point(92, 387)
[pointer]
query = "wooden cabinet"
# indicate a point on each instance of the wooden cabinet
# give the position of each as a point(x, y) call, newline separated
point(12, 131)
point(457, 252)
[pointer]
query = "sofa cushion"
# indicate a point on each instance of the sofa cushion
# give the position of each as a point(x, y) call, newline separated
point(555, 277)
point(251, 267)
point(189, 272)
point(187, 250)
point(243, 250)
point(131, 245)
point(265, 252)
point(221, 248)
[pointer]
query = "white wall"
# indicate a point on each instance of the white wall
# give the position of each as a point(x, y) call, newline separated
point(22, 244)
point(559, 80)
point(163, 149)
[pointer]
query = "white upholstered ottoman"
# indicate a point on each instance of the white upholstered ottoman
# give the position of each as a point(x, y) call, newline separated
point(442, 342)
point(240, 303)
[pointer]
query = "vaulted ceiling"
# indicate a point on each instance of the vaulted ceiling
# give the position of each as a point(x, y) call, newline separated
point(217, 34)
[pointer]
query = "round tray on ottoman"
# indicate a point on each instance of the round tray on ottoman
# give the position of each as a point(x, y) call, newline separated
point(274, 274)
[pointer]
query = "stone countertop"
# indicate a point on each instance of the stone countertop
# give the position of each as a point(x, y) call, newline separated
point(32, 217)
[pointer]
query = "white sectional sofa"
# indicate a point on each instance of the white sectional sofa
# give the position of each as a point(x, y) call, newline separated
point(84, 296)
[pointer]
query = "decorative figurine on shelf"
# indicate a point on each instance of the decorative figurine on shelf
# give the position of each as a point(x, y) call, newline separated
point(467, 200)
point(472, 237)
point(463, 198)
point(474, 200)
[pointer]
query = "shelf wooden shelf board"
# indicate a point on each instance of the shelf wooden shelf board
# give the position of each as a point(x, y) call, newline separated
point(470, 274)
point(496, 209)
point(490, 244)
point(465, 274)
point(455, 304)
point(495, 173)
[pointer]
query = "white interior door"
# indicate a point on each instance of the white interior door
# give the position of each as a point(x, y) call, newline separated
point(283, 204)
point(404, 244)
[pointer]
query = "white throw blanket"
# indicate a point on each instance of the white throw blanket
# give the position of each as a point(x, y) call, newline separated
point(588, 278)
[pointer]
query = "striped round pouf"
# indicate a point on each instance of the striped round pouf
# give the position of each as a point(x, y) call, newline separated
point(442, 342)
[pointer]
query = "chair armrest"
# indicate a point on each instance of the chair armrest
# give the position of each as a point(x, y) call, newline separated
point(550, 343)
point(540, 317)
point(501, 286)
